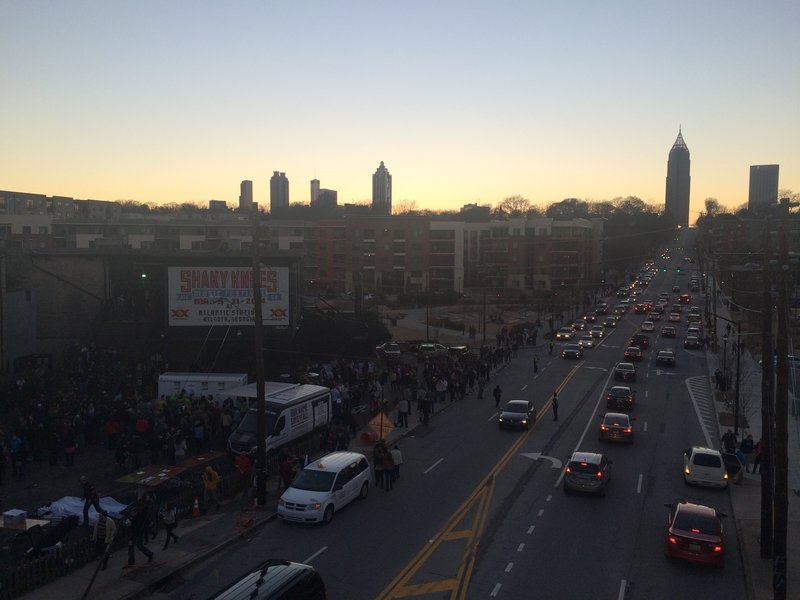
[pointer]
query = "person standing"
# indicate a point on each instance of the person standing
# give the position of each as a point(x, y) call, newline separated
point(747, 448)
point(103, 534)
point(397, 458)
point(551, 347)
point(555, 406)
point(210, 485)
point(169, 515)
point(757, 461)
point(243, 468)
point(402, 412)
point(388, 469)
point(497, 393)
point(729, 442)
point(90, 498)
point(535, 363)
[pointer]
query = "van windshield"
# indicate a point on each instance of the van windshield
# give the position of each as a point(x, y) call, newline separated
point(249, 423)
point(313, 480)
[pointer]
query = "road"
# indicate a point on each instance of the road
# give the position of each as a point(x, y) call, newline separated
point(479, 512)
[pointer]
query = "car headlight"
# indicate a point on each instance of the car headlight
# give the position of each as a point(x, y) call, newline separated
point(687, 470)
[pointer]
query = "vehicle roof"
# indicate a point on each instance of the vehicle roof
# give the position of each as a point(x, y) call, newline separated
point(621, 388)
point(625, 365)
point(589, 457)
point(270, 577)
point(515, 402)
point(705, 450)
point(666, 351)
point(620, 416)
point(696, 509)
point(334, 461)
point(634, 348)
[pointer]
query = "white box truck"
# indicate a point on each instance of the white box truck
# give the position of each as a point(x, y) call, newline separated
point(200, 384)
point(293, 411)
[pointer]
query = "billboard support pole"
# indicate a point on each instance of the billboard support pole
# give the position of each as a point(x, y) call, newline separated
point(258, 337)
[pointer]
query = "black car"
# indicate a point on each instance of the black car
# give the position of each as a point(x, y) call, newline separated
point(276, 580)
point(517, 414)
point(625, 371)
point(669, 332)
point(572, 351)
point(666, 358)
point(691, 342)
point(641, 340)
point(620, 397)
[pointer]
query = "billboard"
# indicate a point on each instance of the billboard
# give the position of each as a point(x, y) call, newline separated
point(207, 296)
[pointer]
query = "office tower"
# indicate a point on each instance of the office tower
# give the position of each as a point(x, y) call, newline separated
point(763, 187)
point(278, 192)
point(678, 182)
point(382, 191)
point(246, 203)
point(314, 191)
point(327, 199)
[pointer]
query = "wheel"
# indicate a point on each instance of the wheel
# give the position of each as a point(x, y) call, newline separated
point(327, 516)
point(364, 490)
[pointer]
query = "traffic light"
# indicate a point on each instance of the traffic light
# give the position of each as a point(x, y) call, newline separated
point(678, 268)
point(664, 269)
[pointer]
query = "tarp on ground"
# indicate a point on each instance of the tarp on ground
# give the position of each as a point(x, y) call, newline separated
point(72, 505)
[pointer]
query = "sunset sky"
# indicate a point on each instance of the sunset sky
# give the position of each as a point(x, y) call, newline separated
point(178, 101)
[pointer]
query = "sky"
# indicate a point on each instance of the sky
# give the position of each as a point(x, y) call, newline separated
point(173, 101)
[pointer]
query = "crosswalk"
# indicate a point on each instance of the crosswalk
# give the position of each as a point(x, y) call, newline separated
point(703, 400)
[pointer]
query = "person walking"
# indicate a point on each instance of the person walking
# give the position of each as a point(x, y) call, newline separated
point(535, 363)
point(555, 406)
point(729, 442)
point(378, 452)
point(757, 460)
point(397, 459)
point(551, 347)
point(747, 448)
point(402, 412)
point(137, 524)
point(169, 515)
point(90, 498)
point(210, 485)
point(388, 469)
point(243, 468)
point(103, 534)
point(497, 393)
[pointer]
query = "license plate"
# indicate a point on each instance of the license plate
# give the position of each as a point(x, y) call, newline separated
point(694, 547)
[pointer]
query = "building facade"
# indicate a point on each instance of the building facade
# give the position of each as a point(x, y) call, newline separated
point(382, 191)
point(246, 203)
point(763, 187)
point(278, 192)
point(678, 182)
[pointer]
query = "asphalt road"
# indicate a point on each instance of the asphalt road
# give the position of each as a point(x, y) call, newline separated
point(479, 513)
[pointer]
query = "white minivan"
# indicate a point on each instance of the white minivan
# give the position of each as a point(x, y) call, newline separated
point(704, 466)
point(325, 486)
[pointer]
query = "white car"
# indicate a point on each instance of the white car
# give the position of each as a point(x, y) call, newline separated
point(598, 331)
point(586, 341)
point(565, 333)
point(325, 486)
point(704, 466)
point(648, 326)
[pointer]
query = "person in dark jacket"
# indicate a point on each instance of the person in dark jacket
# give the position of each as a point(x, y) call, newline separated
point(90, 498)
point(137, 524)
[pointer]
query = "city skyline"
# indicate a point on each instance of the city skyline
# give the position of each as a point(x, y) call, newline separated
point(153, 103)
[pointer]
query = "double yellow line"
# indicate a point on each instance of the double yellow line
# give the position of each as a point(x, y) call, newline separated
point(473, 512)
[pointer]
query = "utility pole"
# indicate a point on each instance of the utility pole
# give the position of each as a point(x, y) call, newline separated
point(781, 444)
point(767, 361)
point(258, 337)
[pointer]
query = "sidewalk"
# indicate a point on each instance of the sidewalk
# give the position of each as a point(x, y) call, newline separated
point(746, 498)
point(200, 539)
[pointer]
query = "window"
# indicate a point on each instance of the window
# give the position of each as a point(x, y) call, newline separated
point(702, 459)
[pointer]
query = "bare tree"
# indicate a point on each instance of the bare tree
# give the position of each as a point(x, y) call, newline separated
point(514, 206)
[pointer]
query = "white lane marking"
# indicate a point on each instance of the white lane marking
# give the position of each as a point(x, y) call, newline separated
point(623, 584)
point(315, 555)
point(639, 485)
point(494, 416)
point(509, 566)
point(592, 419)
point(540, 513)
point(646, 392)
point(531, 528)
point(645, 426)
point(432, 467)
point(549, 498)
point(523, 387)
point(495, 589)
point(703, 383)
point(521, 547)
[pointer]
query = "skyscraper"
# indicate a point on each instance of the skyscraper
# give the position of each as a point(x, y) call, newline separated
point(678, 182)
point(314, 191)
point(763, 187)
point(246, 203)
point(278, 192)
point(382, 191)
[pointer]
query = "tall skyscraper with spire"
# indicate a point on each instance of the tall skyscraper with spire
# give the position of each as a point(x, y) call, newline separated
point(382, 191)
point(278, 192)
point(678, 182)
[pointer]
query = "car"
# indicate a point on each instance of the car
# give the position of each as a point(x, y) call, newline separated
point(666, 358)
point(654, 315)
point(458, 351)
point(648, 326)
point(517, 414)
point(389, 351)
point(659, 310)
point(609, 322)
point(641, 308)
point(620, 397)
point(676, 289)
point(616, 427)
point(597, 331)
point(324, 486)
point(587, 472)
point(692, 342)
point(590, 317)
point(586, 341)
point(641, 340)
point(685, 299)
point(694, 320)
point(578, 325)
point(565, 333)
point(704, 466)
point(625, 371)
point(273, 579)
point(669, 332)
point(678, 308)
point(695, 533)
point(633, 353)
point(572, 351)
point(674, 317)
point(431, 350)
point(622, 292)
point(601, 308)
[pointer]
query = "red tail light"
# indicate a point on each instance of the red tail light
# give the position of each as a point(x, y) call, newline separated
point(672, 539)
point(569, 470)
point(599, 474)
point(718, 548)
point(603, 428)
point(628, 430)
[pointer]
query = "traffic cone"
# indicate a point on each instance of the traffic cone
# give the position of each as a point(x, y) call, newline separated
point(196, 508)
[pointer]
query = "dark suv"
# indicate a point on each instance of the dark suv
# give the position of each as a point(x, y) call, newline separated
point(276, 580)
point(641, 340)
